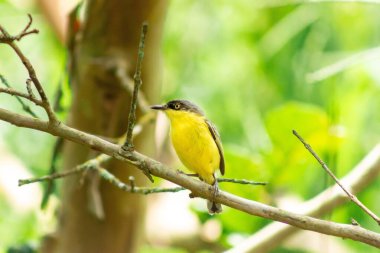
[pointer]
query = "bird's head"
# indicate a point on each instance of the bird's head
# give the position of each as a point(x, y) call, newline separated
point(179, 108)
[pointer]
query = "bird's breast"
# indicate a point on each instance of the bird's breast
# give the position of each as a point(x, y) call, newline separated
point(195, 146)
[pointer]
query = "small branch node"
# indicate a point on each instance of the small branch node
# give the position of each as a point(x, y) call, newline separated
point(354, 222)
point(240, 181)
point(29, 88)
point(29, 24)
point(132, 183)
point(146, 171)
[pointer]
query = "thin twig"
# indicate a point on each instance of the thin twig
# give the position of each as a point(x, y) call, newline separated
point(76, 170)
point(49, 188)
point(132, 183)
point(106, 175)
point(17, 94)
point(29, 88)
point(90, 164)
point(239, 181)
point(127, 84)
point(349, 194)
point(128, 145)
point(8, 39)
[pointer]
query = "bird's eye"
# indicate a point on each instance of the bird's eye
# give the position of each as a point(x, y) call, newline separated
point(177, 106)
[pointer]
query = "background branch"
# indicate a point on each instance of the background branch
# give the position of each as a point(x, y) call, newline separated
point(364, 56)
point(349, 194)
point(275, 233)
point(127, 83)
point(6, 38)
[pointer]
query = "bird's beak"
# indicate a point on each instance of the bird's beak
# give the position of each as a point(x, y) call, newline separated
point(159, 107)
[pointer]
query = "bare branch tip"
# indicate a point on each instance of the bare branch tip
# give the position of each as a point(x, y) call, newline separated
point(21, 182)
point(296, 134)
point(145, 26)
point(29, 23)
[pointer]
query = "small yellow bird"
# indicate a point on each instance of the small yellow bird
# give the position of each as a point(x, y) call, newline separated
point(196, 142)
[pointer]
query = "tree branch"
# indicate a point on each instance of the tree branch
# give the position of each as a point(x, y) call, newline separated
point(349, 194)
point(197, 187)
point(137, 80)
point(127, 84)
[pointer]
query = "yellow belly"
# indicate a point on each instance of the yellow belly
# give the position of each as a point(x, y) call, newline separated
point(195, 146)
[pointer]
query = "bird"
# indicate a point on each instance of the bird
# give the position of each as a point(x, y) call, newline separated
point(196, 142)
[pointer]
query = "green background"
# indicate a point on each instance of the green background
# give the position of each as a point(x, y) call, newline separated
point(255, 71)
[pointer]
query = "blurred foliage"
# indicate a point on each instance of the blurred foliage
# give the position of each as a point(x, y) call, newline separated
point(250, 69)
point(21, 227)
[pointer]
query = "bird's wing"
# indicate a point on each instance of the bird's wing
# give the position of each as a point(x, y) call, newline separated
point(216, 137)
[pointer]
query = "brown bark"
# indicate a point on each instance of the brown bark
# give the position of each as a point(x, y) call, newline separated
point(100, 106)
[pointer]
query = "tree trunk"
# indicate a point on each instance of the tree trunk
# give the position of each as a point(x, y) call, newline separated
point(100, 106)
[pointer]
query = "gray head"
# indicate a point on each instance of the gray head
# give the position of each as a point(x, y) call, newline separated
point(179, 105)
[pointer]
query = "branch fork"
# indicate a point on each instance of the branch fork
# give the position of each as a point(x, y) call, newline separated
point(6, 38)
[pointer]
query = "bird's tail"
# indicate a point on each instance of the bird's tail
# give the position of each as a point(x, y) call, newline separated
point(214, 207)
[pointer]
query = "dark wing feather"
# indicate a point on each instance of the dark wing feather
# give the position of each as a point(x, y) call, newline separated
point(216, 137)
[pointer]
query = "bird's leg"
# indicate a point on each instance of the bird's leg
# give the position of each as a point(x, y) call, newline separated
point(215, 189)
point(212, 206)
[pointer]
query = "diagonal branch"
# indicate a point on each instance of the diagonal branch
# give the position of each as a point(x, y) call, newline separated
point(197, 187)
point(343, 64)
point(349, 194)
point(274, 234)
